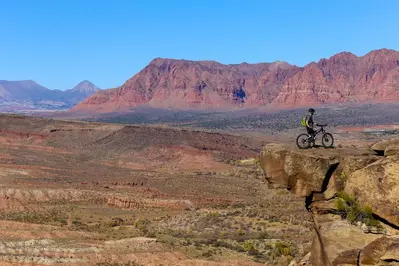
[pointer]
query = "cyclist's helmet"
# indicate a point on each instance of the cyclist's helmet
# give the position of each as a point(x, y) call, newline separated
point(311, 110)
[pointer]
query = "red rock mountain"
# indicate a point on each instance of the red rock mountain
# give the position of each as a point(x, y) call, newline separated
point(208, 84)
point(345, 77)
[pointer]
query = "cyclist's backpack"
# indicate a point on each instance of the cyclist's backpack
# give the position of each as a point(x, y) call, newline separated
point(303, 121)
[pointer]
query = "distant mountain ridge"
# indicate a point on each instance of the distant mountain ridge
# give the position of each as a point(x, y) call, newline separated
point(84, 87)
point(80, 92)
point(26, 90)
point(27, 95)
point(343, 77)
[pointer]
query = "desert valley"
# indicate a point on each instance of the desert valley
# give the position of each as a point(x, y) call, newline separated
point(195, 163)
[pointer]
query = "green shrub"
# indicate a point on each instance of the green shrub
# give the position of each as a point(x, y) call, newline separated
point(141, 224)
point(349, 200)
point(372, 222)
point(341, 181)
point(341, 206)
point(248, 245)
point(213, 214)
point(343, 177)
point(262, 235)
point(368, 211)
point(240, 232)
point(351, 216)
point(223, 234)
point(348, 207)
point(282, 248)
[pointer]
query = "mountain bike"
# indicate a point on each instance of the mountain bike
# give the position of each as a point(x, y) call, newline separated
point(304, 140)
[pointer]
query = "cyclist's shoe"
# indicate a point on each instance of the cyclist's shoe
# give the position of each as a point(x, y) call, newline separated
point(311, 140)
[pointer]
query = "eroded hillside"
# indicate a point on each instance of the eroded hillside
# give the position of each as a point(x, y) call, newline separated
point(76, 193)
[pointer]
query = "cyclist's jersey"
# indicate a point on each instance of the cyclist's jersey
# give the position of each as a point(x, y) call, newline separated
point(309, 119)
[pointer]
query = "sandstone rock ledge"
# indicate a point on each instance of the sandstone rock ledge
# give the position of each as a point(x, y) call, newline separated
point(329, 180)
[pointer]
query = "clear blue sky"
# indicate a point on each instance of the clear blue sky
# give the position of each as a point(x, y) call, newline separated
point(59, 43)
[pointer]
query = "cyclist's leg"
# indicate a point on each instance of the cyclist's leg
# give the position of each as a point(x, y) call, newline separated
point(315, 132)
point(310, 132)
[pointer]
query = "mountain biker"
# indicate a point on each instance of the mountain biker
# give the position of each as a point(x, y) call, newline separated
point(310, 123)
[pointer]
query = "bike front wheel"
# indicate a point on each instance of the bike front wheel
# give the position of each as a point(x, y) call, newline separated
point(302, 141)
point(327, 140)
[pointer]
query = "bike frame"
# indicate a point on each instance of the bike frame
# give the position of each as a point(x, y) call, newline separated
point(320, 130)
point(316, 132)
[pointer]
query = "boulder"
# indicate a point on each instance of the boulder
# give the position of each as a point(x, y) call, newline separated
point(380, 146)
point(392, 253)
point(308, 171)
point(308, 174)
point(347, 165)
point(377, 185)
point(337, 242)
point(384, 249)
point(299, 171)
point(391, 150)
point(352, 163)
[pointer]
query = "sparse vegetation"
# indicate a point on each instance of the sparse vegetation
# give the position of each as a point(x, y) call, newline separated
point(54, 216)
point(348, 207)
point(236, 230)
point(341, 181)
point(269, 122)
point(249, 247)
point(282, 249)
point(141, 224)
point(130, 263)
point(225, 213)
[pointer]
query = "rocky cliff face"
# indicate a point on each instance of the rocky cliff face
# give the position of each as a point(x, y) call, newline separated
point(208, 84)
point(353, 195)
point(186, 84)
point(345, 77)
point(146, 204)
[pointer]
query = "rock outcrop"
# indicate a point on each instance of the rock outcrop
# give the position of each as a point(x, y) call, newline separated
point(306, 172)
point(343, 77)
point(377, 185)
point(129, 203)
point(386, 147)
point(353, 195)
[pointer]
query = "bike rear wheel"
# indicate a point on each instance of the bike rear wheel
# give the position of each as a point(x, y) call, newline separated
point(302, 141)
point(327, 140)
